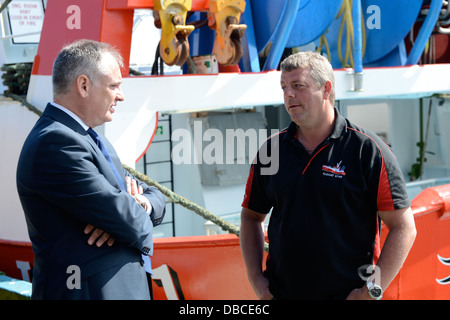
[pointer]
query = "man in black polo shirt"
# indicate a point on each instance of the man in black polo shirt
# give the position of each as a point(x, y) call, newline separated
point(334, 183)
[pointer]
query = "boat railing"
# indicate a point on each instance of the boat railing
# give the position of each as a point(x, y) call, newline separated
point(416, 187)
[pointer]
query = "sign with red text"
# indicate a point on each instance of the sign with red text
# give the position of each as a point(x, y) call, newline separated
point(26, 19)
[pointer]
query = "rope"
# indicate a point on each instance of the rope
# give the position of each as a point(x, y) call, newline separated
point(323, 42)
point(17, 77)
point(175, 198)
point(345, 11)
point(4, 5)
point(347, 22)
point(24, 102)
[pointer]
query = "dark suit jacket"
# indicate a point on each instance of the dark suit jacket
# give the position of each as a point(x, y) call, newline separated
point(64, 183)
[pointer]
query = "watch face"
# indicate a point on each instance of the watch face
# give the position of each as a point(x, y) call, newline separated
point(375, 291)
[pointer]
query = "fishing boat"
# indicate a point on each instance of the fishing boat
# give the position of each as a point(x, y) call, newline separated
point(200, 70)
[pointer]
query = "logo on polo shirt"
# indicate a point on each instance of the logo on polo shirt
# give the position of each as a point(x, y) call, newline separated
point(337, 171)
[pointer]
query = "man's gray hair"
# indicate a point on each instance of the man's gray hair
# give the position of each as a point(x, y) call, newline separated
point(319, 67)
point(82, 57)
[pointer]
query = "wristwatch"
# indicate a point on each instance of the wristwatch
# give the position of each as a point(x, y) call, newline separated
point(375, 291)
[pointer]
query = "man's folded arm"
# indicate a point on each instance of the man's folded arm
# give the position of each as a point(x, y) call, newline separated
point(71, 180)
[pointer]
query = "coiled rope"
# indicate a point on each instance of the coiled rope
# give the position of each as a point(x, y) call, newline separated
point(347, 23)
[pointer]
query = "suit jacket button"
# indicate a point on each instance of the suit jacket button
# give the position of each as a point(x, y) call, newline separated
point(142, 263)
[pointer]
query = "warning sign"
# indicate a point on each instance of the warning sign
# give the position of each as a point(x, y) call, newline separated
point(26, 19)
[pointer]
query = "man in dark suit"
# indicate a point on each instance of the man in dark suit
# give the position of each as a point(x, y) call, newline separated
point(89, 221)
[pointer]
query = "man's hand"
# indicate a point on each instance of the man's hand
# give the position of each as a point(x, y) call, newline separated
point(98, 236)
point(136, 192)
point(261, 288)
point(252, 248)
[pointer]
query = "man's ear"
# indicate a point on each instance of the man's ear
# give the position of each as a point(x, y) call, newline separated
point(83, 85)
point(327, 90)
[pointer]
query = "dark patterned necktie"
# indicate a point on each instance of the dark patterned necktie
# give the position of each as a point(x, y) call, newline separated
point(105, 152)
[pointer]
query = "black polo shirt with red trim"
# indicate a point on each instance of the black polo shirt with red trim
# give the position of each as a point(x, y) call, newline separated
point(324, 228)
